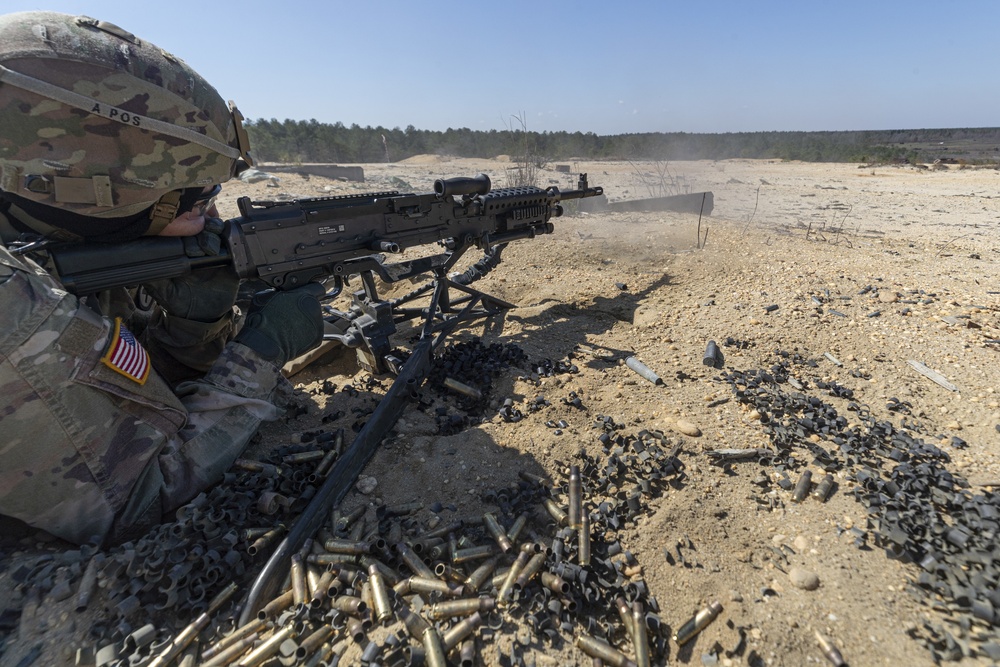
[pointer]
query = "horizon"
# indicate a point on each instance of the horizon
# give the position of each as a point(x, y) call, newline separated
point(719, 68)
point(421, 129)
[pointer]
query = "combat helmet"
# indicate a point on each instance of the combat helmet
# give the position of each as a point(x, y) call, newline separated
point(97, 123)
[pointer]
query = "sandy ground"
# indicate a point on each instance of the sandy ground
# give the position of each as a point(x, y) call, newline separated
point(872, 266)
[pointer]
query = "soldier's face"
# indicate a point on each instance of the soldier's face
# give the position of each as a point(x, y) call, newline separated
point(192, 222)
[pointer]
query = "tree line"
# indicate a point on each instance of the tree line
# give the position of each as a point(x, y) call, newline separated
point(312, 141)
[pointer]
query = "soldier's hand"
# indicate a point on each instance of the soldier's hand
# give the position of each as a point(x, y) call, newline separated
point(283, 325)
point(203, 296)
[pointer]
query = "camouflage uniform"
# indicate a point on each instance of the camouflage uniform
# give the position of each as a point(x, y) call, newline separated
point(87, 453)
point(97, 124)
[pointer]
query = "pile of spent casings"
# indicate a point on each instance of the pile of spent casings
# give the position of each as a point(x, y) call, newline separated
point(402, 585)
point(918, 511)
point(398, 585)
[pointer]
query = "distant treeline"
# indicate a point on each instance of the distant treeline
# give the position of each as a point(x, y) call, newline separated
point(312, 141)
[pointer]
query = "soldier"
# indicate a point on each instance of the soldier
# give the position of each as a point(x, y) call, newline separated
point(109, 416)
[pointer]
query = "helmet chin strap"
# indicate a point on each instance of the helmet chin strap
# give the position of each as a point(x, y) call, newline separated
point(163, 212)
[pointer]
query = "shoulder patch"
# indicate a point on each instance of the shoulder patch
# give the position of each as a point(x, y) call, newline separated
point(125, 355)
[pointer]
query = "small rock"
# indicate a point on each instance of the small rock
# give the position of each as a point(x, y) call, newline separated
point(687, 428)
point(366, 485)
point(804, 579)
point(801, 543)
point(888, 297)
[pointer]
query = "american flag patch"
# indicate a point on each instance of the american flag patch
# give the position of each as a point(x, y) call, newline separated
point(126, 356)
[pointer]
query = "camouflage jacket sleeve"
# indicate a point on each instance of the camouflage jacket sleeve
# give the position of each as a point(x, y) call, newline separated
point(89, 452)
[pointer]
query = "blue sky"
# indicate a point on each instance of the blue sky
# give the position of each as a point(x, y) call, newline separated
point(603, 67)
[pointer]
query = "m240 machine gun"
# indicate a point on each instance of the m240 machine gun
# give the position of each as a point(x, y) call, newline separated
point(285, 244)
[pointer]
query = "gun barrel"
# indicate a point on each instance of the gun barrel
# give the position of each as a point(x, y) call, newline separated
point(454, 187)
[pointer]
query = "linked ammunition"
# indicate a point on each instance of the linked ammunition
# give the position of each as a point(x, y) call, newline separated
point(691, 628)
point(575, 497)
point(596, 648)
point(496, 530)
point(456, 633)
point(452, 608)
point(380, 595)
point(830, 651)
point(462, 388)
point(824, 488)
point(640, 636)
point(802, 487)
point(643, 370)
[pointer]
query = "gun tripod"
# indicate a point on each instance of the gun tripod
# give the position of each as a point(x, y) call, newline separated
point(372, 320)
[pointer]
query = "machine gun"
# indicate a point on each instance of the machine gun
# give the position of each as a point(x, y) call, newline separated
point(285, 244)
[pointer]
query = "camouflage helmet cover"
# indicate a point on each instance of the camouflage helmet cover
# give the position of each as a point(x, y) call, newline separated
point(100, 123)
